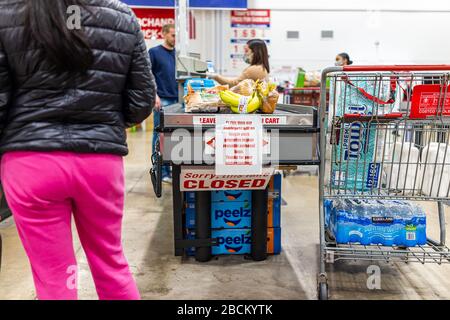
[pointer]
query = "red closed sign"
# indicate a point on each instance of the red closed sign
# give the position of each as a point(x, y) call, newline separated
point(198, 179)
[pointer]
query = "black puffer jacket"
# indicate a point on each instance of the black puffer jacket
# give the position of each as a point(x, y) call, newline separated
point(41, 110)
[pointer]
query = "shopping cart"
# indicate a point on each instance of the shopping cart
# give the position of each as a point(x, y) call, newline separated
point(384, 136)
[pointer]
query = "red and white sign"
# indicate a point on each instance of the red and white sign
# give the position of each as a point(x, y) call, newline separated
point(246, 25)
point(239, 145)
point(266, 120)
point(250, 17)
point(152, 21)
point(205, 178)
point(209, 139)
point(430, 100)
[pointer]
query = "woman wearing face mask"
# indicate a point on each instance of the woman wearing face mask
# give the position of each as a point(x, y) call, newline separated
point(343, 59)
point(257, 56)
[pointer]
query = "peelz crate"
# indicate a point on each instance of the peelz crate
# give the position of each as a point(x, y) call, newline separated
point(377, 222)
point(232, 241)
point(231, 214)
point(231, 195)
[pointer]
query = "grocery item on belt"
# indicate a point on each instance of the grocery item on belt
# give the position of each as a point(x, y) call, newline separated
point(270, 99)
point(241, 104)
point(249, 96)
point(205, 100)
point(245, 87)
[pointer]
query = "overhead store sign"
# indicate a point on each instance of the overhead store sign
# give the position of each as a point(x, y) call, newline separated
point(152, 21)
point(205, 178)
point(246, 25)
point(250, 18)
point(204, 4)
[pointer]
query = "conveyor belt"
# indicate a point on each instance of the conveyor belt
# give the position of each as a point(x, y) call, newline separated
point(286, 117)
point(292, 129)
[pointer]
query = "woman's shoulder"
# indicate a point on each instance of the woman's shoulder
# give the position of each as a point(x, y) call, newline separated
point(257, 71)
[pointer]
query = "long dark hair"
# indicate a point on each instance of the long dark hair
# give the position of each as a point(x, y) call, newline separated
point(345, 56)
point(260, 53)
point(46, 25)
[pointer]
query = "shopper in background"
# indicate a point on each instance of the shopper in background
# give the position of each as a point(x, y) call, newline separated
point(257, 56)
point(66, 97)
point(343, 59)
point(163, 67)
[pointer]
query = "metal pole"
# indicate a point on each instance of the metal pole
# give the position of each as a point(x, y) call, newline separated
point(203, 224)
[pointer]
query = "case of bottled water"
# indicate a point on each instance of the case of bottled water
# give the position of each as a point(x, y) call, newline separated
point(377, 222)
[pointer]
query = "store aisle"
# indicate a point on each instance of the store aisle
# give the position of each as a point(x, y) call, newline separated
point(292, 275)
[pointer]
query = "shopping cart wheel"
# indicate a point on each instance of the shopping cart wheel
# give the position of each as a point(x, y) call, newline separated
point(322, 287)
point(323, 291)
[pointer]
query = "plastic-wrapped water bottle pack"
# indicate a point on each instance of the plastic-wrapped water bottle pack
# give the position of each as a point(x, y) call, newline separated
point(376, 222)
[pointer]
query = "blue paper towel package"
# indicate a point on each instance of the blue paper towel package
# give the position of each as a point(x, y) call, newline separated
point(353, 164)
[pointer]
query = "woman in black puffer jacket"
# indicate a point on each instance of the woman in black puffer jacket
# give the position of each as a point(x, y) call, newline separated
point(66, 96)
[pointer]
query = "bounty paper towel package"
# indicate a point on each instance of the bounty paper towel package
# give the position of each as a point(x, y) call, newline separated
point(353, 165)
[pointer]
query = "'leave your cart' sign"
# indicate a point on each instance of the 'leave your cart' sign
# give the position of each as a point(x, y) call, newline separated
point(239, 148)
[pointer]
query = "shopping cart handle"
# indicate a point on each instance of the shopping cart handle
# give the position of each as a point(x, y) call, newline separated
point(353, 115)
point(393, 115)
point(434, 67)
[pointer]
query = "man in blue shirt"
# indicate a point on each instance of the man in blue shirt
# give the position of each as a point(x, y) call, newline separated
point(163, 67)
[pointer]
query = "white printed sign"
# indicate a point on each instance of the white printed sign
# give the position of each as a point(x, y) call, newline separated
point(205, 179)
point(266, 120)
point(239, 145)
point(209, 141)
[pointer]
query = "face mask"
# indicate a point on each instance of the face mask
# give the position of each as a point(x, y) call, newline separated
point(248, 58)
point(339, 63)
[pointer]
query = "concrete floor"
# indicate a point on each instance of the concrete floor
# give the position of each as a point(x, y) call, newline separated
point(148, 242)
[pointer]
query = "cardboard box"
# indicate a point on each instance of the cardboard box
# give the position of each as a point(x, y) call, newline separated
point(189, 212)
point(234, 214)
point(189, 196)
point(274, 240)
point(274, 202)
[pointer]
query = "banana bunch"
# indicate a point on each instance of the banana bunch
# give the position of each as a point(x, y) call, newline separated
point(241, 104)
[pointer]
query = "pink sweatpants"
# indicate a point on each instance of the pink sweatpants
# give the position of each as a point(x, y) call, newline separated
point(43, 190)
